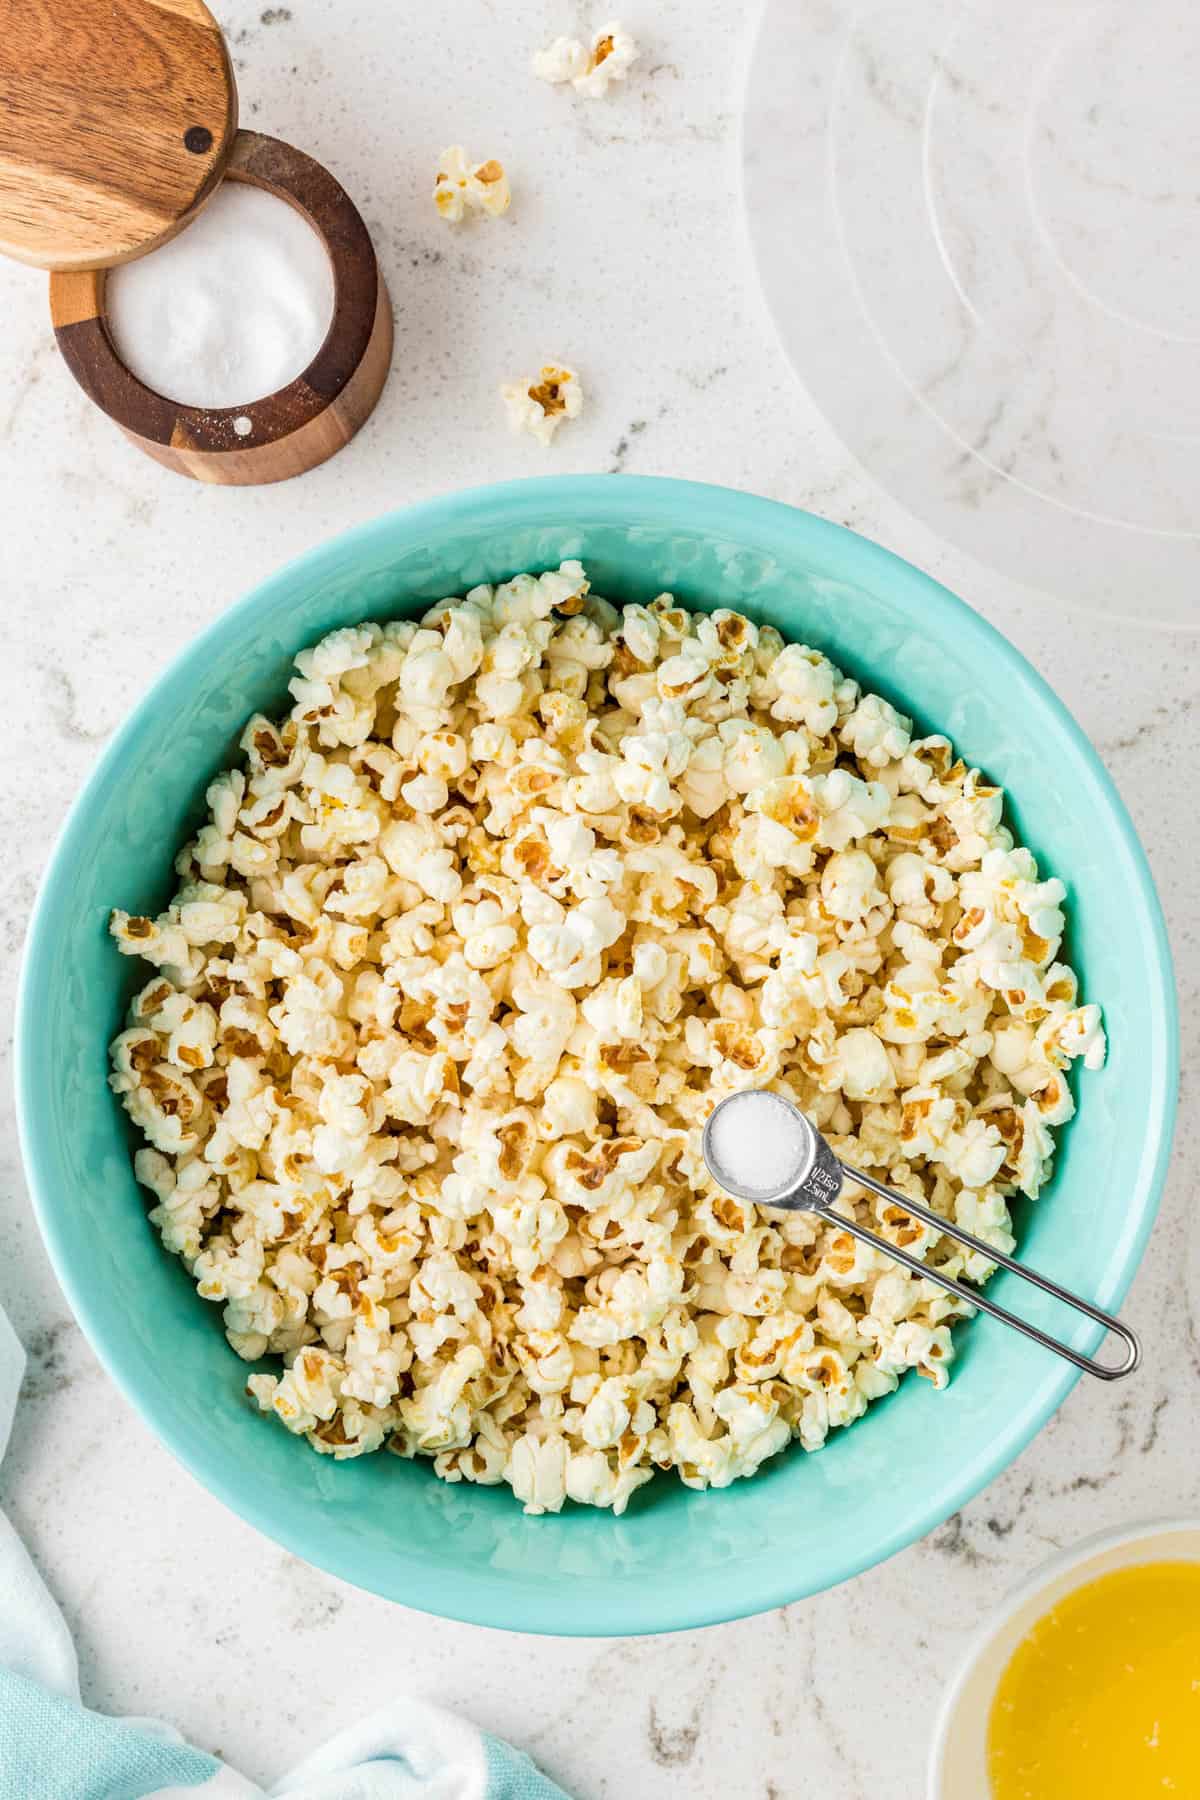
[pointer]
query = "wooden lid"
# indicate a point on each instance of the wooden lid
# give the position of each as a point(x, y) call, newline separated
point(116, 118)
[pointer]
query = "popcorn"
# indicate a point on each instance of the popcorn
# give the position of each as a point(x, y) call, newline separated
point(460, 962)
point(849, 888)
point(849, 809)
point(876, 732)
point(864, 1064)
point(568, 946)
point(802, 684)
point(589, 69)
point(438, 1417)
point(606, 1417)
point(1076, 1033)
point(543, 1022)
point(592, 1481)
point(537, 1473)
point(751, 755)
point(539, 406)
point(460, 187)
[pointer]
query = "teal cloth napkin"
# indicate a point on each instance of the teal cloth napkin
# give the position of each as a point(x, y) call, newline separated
point(52, 1747)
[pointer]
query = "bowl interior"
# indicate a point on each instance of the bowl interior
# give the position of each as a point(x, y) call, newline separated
point(959, 1761)
point(677, 1558)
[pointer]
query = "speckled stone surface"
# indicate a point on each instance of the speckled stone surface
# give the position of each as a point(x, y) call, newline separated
point(623, 255)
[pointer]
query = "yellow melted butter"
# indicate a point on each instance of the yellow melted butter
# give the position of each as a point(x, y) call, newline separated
point(1101, 1701)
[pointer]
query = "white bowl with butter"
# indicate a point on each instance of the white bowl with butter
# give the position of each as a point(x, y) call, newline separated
point(1080, 1634)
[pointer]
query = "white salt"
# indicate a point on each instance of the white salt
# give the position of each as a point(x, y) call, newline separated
point(231, 309)
point(756, 1140)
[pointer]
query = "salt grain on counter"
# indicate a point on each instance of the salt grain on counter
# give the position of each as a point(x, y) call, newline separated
point(758, 1142)
point(234, 307)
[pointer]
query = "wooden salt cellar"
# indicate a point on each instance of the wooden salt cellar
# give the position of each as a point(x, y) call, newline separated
point(118, 120)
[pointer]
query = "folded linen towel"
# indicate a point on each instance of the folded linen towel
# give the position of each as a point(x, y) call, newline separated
point(52, 1747)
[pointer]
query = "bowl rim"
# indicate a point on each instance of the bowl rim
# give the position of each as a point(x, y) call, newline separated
point(1115, 1537)
point(764, 526)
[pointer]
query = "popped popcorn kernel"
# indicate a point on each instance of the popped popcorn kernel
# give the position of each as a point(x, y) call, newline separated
point(463, 956)
point(460, 187)
point(540, 405)
point(590, 68)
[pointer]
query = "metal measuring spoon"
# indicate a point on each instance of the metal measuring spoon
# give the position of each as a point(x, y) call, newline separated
point(814, 1182)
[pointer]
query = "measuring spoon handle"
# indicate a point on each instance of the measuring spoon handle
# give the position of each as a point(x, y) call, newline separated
point(975, 1297)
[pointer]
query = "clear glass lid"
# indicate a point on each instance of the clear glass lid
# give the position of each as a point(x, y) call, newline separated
point(977, 224)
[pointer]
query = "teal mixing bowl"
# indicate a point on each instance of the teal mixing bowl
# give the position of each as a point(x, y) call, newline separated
point(677, 1558)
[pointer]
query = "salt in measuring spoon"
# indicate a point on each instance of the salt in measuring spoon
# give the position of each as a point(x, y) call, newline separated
point(781, 1160)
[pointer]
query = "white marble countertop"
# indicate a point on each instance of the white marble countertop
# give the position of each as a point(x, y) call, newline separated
point(622, 253)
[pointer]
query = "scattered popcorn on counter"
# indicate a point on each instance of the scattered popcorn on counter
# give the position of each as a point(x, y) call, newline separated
point(462, 960)
point(460, 187)
point(588, 68)
point(539, 406)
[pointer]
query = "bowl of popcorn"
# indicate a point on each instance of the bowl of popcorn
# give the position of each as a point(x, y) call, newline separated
point(402, 942)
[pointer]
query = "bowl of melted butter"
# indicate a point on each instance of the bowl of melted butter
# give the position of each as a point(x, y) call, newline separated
point(1085, 1685)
